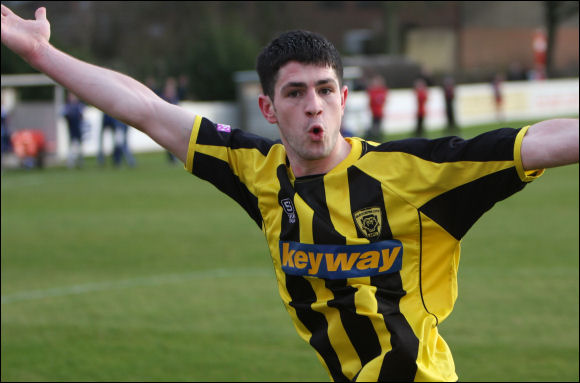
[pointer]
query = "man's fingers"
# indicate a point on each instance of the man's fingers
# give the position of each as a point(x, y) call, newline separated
point(40, 13)
point(5, 10)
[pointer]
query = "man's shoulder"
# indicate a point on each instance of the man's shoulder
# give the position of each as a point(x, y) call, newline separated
point(494, 145)
point(218, 134)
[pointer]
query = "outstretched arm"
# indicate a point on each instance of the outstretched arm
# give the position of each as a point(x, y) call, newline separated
point(550, 143)
point(114, 93)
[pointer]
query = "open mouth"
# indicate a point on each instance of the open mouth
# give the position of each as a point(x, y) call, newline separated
point(316, 133)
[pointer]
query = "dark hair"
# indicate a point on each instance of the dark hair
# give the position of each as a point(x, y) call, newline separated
point(302, 46)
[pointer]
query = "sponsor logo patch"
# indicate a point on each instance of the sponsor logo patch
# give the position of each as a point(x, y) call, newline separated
point(224, 128)
point(341, 261)
point(288, 207)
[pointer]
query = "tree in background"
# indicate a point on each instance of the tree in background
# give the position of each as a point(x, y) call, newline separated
point(213, 58)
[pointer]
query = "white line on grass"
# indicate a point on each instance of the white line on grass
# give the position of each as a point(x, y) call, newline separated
point(133, 282)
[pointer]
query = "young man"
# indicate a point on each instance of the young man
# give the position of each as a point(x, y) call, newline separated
point(364, 238)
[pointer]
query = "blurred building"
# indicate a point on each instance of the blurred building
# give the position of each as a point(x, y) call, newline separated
point(469, 39)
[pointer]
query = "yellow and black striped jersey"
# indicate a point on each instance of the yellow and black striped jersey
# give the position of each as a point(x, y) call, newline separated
point(366, 255)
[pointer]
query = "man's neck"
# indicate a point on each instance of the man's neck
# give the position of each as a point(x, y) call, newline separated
point(302, 168)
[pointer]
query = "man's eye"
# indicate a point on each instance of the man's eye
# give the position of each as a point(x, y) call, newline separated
point(294, 93)
point(326, 91)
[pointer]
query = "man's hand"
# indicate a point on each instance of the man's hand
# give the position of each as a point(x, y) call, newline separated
point(24, 37)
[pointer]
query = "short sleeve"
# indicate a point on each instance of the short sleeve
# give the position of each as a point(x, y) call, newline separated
point(529, 175)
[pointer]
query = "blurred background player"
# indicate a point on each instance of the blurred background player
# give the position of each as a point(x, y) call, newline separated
point(119, 132)
point(421, 97)
point(73, 113)
point(449, 93)
point(377, 94)
point(122, 150)
point(30, 147)
point(496, 85)
point(171, 95)
point(108, 124)
point(6, 143)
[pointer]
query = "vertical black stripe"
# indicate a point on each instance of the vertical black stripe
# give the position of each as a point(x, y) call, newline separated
point(312, 192)
point(302, 298)
point(366, 192)
point(302, 294)
point(399, 364)
point(358, 328)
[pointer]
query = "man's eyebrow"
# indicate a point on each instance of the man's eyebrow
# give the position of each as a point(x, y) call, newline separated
point(298, 84)
point(294, 85)
point(325, 81)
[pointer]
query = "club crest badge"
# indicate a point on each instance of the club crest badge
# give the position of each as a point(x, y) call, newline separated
point(369, 221)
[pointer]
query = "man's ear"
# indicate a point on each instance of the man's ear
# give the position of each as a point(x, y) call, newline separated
point(343, 95)
point(267, 108)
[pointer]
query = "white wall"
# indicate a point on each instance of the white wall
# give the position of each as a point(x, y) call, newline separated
point(474, 105)
point(226, 112)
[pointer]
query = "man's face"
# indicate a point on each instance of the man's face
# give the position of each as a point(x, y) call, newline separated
point(308, 107)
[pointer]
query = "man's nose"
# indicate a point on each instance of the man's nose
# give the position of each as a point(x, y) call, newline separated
point(313, 104)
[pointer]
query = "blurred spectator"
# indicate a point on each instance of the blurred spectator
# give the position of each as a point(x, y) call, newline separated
point(536, 75)
point(151, 83)
point(183, 88)
point(122, 150)
point(540, 47)
point(449, 92)
point(108, 123)
point(516, 72)
point(119, 134)
point(6, 143)
point(496, 84)
point(421, 96)
point(344, 130)
point(426, 76)
point(29, 145)
point(171, 95)
point(73, 112)
point(377, 94)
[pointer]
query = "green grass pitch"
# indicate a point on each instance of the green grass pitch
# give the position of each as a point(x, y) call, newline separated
point(148, 274)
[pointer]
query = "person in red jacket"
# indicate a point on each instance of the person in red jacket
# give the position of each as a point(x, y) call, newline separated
point(421, 94)
point(377, 93)
point(29, 145)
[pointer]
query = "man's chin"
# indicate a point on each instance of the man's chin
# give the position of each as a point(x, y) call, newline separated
point(315, 154)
